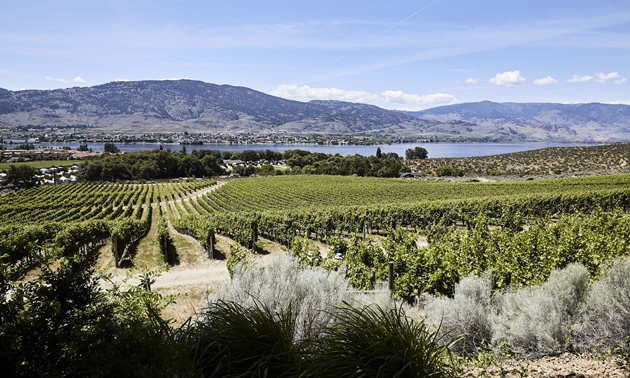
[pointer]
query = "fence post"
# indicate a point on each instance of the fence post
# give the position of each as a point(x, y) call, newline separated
point(364, 230)
point(210, 243)
point(115, 250)
point(391, 277)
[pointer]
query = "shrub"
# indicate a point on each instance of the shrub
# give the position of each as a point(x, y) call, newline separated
point(536, 320)
point(466, 314)
point(606, 314)
point(448, 171)
point(239, 255)
point(305, 254)
point(164, 239)
point(282, 282)
point(371, 341)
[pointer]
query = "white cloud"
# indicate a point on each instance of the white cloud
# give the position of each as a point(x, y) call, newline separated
point(508, 79)
point(400, 97)
point(119, 79)
point(602, 77)
point(545, 81)
point(304, 92)
point(620, 102)
point(59, 80)
point(472, 80)
point(79, 80)
point(579, 79)
point(620, 81)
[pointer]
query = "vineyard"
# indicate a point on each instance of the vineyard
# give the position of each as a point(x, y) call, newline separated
point(427, 237)
point(435, 233)
point(81, 216)
point(517, 231)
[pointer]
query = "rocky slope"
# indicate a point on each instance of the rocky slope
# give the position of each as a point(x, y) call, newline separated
point(188, 105)
point(542, 121)
point(178, 105)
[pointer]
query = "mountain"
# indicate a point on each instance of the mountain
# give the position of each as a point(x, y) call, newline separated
point(195, 106)
point(187, 105)
point(541, 121)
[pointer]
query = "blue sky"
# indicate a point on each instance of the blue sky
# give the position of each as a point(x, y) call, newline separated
point(394, 54)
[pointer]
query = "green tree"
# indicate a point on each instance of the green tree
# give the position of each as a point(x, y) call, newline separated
point(250, 155)
point(21, 175)
point(416, 153)
point(111, 148)
point(449, 171)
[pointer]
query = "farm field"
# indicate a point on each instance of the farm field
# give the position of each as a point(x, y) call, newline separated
point(333, 211)
point(42, 164)
point(298, 193)
point(434, 233)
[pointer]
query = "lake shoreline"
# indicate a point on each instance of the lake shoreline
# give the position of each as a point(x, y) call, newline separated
point(435, 149)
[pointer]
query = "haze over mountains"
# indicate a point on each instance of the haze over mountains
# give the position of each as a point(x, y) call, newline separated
point(195, 106)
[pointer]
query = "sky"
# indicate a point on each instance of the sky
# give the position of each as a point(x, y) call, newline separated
point(409, 55)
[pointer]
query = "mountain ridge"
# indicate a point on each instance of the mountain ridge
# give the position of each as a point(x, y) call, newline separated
point(196, 106)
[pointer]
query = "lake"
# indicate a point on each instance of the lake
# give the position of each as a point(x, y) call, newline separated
point(436, 150)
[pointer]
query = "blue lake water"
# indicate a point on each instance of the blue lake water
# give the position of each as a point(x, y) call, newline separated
point(435, 149)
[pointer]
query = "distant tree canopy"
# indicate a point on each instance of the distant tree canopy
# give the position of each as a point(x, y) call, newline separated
point(25, 146)
point(448, 171)
point(416, 153)
point(150, 165)
point(388, 165)
point(254, 155)
point(159, 164)
point(111, 148)
point(21, 175)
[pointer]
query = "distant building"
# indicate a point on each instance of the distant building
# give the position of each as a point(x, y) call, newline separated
point(233, 163)
point(411, 175)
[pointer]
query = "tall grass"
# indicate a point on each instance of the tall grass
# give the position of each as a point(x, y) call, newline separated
point(233, 340)
point(370, 341)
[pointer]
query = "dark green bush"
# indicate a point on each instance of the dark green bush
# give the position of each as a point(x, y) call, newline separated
point(448, 171)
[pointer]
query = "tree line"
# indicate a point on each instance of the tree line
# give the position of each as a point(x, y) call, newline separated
point(164, 164)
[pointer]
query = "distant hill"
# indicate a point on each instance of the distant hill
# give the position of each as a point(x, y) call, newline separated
point(188, 105)
point(542, 121)
point(178, 105)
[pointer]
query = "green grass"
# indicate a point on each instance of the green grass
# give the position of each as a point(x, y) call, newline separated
point(42, 164)
point(302, 192)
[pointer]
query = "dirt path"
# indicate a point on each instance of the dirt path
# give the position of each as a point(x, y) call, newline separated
point(197, 194)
